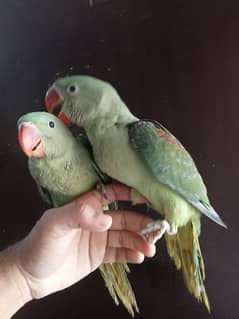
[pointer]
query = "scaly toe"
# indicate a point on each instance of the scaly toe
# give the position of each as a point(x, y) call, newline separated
point(172, 230)
point(155, 230)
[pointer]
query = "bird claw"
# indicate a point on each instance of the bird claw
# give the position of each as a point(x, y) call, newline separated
point(172, 230)
point(101, 189)
point(155, 230)
point(153, 237)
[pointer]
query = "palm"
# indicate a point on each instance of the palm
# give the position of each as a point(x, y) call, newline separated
point(68, 258)
point(57, 253)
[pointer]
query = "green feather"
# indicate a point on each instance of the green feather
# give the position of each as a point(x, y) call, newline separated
point(171, 164)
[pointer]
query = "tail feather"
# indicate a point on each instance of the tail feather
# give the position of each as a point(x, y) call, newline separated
point(116, 280)
point(185, 250)
point(209, 211)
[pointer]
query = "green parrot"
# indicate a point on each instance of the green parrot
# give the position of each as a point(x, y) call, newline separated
point(63, 169)
point(147, 157)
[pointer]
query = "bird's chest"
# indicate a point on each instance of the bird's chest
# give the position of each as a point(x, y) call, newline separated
point(115, 157)
point(63, 178)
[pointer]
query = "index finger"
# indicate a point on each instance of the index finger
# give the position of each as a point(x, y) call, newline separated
point(128, 220)
point(112, 192)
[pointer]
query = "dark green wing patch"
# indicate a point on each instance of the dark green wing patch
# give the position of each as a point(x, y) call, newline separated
point(170, 163)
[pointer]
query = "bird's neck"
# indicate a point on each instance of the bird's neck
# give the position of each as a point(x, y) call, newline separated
point(101, 124)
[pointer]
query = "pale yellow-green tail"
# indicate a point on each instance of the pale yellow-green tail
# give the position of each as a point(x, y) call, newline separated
point(117, 282)
point(185, 250)
point(116, 279)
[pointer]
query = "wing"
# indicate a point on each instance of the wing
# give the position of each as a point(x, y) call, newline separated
point(171, 164)
point(45, 195)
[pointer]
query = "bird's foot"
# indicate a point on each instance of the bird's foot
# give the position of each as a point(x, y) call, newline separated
point(112, 206)
point(155, 230)
point(101, 189)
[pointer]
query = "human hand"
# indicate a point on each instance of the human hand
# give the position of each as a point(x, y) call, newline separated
point(69, 242)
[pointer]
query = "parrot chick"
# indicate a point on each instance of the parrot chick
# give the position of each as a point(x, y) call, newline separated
point(147, 157)
point(63, 169)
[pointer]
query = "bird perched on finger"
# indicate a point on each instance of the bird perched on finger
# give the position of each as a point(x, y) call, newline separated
point(63, 169)
point(147, 157)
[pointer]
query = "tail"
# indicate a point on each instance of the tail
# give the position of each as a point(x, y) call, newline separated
point(116, 280)
point(184, 249)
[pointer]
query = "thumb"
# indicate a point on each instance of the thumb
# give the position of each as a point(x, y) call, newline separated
point(91, 219)
point(77, 214)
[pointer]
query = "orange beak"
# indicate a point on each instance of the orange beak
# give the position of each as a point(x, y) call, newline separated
point(64, 119)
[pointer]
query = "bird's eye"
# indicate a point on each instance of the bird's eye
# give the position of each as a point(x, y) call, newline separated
point(72, 89)
point(51, 124)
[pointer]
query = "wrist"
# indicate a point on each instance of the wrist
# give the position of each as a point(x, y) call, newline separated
point(15, 292)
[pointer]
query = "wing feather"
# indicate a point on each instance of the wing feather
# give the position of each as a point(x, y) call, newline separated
point(171, 164)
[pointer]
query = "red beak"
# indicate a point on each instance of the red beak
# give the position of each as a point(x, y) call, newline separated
point(30, 140)
point(64, 119)
point(52, 99)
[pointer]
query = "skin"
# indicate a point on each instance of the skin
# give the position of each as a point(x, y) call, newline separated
point(48, 259)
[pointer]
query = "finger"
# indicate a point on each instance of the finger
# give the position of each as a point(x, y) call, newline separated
point(130, 240)
point(121, 255)
point(128, 220)
point(75, 216)
point(112, 192)
point(89, 218)
point(86, 211)
point(123, 193)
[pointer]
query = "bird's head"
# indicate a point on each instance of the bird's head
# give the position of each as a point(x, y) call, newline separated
point(82, 100)
point(41, 134)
